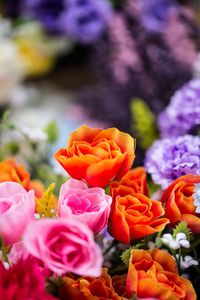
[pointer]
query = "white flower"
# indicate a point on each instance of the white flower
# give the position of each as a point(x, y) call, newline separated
point(187, 261)
point(34, 134)
point(196, 196)
point(11, 67)
point(175, 243)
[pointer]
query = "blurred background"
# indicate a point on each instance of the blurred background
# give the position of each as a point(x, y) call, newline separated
point(103, 63)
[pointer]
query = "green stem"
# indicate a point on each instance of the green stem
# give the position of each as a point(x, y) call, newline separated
point(5, 256)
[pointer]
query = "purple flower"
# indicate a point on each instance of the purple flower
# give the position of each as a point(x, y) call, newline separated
point(155, 13)
point(169, 159)
point(48, 12)
point(183, 113)
point(85, 20)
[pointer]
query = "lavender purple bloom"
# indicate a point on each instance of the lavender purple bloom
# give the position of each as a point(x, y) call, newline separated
point(154, 13)
point(183, 112)
point(47, 12)
point(169, 159)
point(83, 20)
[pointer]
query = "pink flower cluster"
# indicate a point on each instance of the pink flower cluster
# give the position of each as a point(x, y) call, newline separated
point(60, 245)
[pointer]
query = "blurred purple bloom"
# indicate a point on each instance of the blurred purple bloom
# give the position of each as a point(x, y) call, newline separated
point(183, 113)
point(48, 12)
point(169, 159)
point(154, 13)
point(85, 20)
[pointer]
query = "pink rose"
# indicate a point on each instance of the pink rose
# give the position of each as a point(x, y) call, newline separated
point(18, 252)
point(90, 205)
point(17, 208)
point(64, 245)
point(23, 281)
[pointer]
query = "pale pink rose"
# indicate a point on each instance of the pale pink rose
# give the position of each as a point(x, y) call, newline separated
point(90, 205)
point(64, 245)
point(18, 252)
point(17, 207)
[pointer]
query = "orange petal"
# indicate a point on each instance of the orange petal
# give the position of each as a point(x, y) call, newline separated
point(193, 222)
point(76, 166)
point(190, 292)
point(172, 211)
point(148, 287)
point(101, 173)
point(118, 226)
point(164, 259)
point(141, 230)
point(83, 133)
point(123, 140)
point(136, 177)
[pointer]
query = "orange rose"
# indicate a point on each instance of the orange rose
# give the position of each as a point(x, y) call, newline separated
point(179, 202)
point(87, 288)
point(38, 187)
point(153, 274)
point(97, 155)
point(135, 180)
point(119, 285)
point(11, 171)
point(133, 215)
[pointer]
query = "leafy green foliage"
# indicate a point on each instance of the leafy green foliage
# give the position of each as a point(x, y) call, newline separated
point(182, 227)
point(52, 132)
point(143, 123)
point(127, 253)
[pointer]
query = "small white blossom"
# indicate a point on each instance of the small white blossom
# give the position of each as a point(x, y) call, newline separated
point(37, 216)
point(34, 134)
point(177, 242)
point(196, 196)
point(187, 261)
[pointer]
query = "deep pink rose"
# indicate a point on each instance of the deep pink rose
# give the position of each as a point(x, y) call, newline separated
point(64, 245)
point(19, 252)
point(23, 281)
point(90, 205)
point(17, 208)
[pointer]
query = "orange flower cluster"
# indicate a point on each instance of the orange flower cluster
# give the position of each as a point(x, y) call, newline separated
point(11, 171)
point(153, 274)
point(87, 288)
point(133, 214)
point(178, 201)
point(97, 156)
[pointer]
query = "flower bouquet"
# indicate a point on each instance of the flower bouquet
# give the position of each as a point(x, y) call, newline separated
point(104, 233)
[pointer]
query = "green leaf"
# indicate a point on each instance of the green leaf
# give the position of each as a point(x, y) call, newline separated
point(183, 228)
point(143, 123)
point(52, 131)
point(127, 253)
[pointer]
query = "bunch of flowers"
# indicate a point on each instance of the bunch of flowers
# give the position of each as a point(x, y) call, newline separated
point(103, 236)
